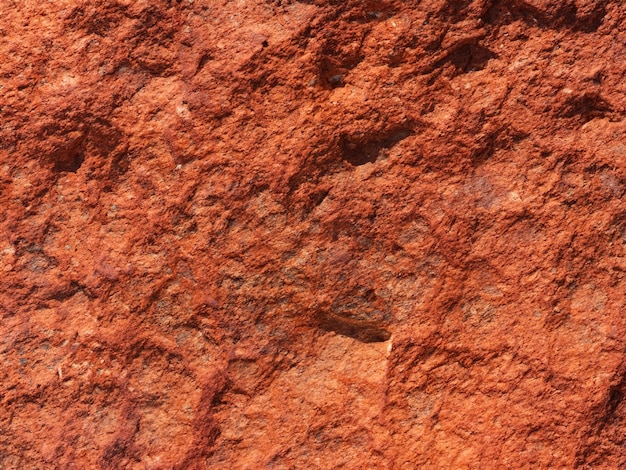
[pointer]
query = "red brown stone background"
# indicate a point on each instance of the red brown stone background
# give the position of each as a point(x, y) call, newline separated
point(312, 234)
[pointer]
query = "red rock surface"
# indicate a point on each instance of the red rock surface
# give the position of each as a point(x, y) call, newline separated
point(315, 234)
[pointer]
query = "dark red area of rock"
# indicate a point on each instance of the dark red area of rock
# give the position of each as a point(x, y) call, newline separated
point(316, 234)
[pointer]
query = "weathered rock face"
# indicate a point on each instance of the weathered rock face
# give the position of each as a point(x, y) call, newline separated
point(316, 234)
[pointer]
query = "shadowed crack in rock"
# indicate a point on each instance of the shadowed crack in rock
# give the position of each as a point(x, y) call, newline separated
point(366, 332)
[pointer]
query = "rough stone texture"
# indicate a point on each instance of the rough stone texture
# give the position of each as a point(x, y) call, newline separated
point(312, 234)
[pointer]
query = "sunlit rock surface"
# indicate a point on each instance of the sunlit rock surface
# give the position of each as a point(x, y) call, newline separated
point(314, 235)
